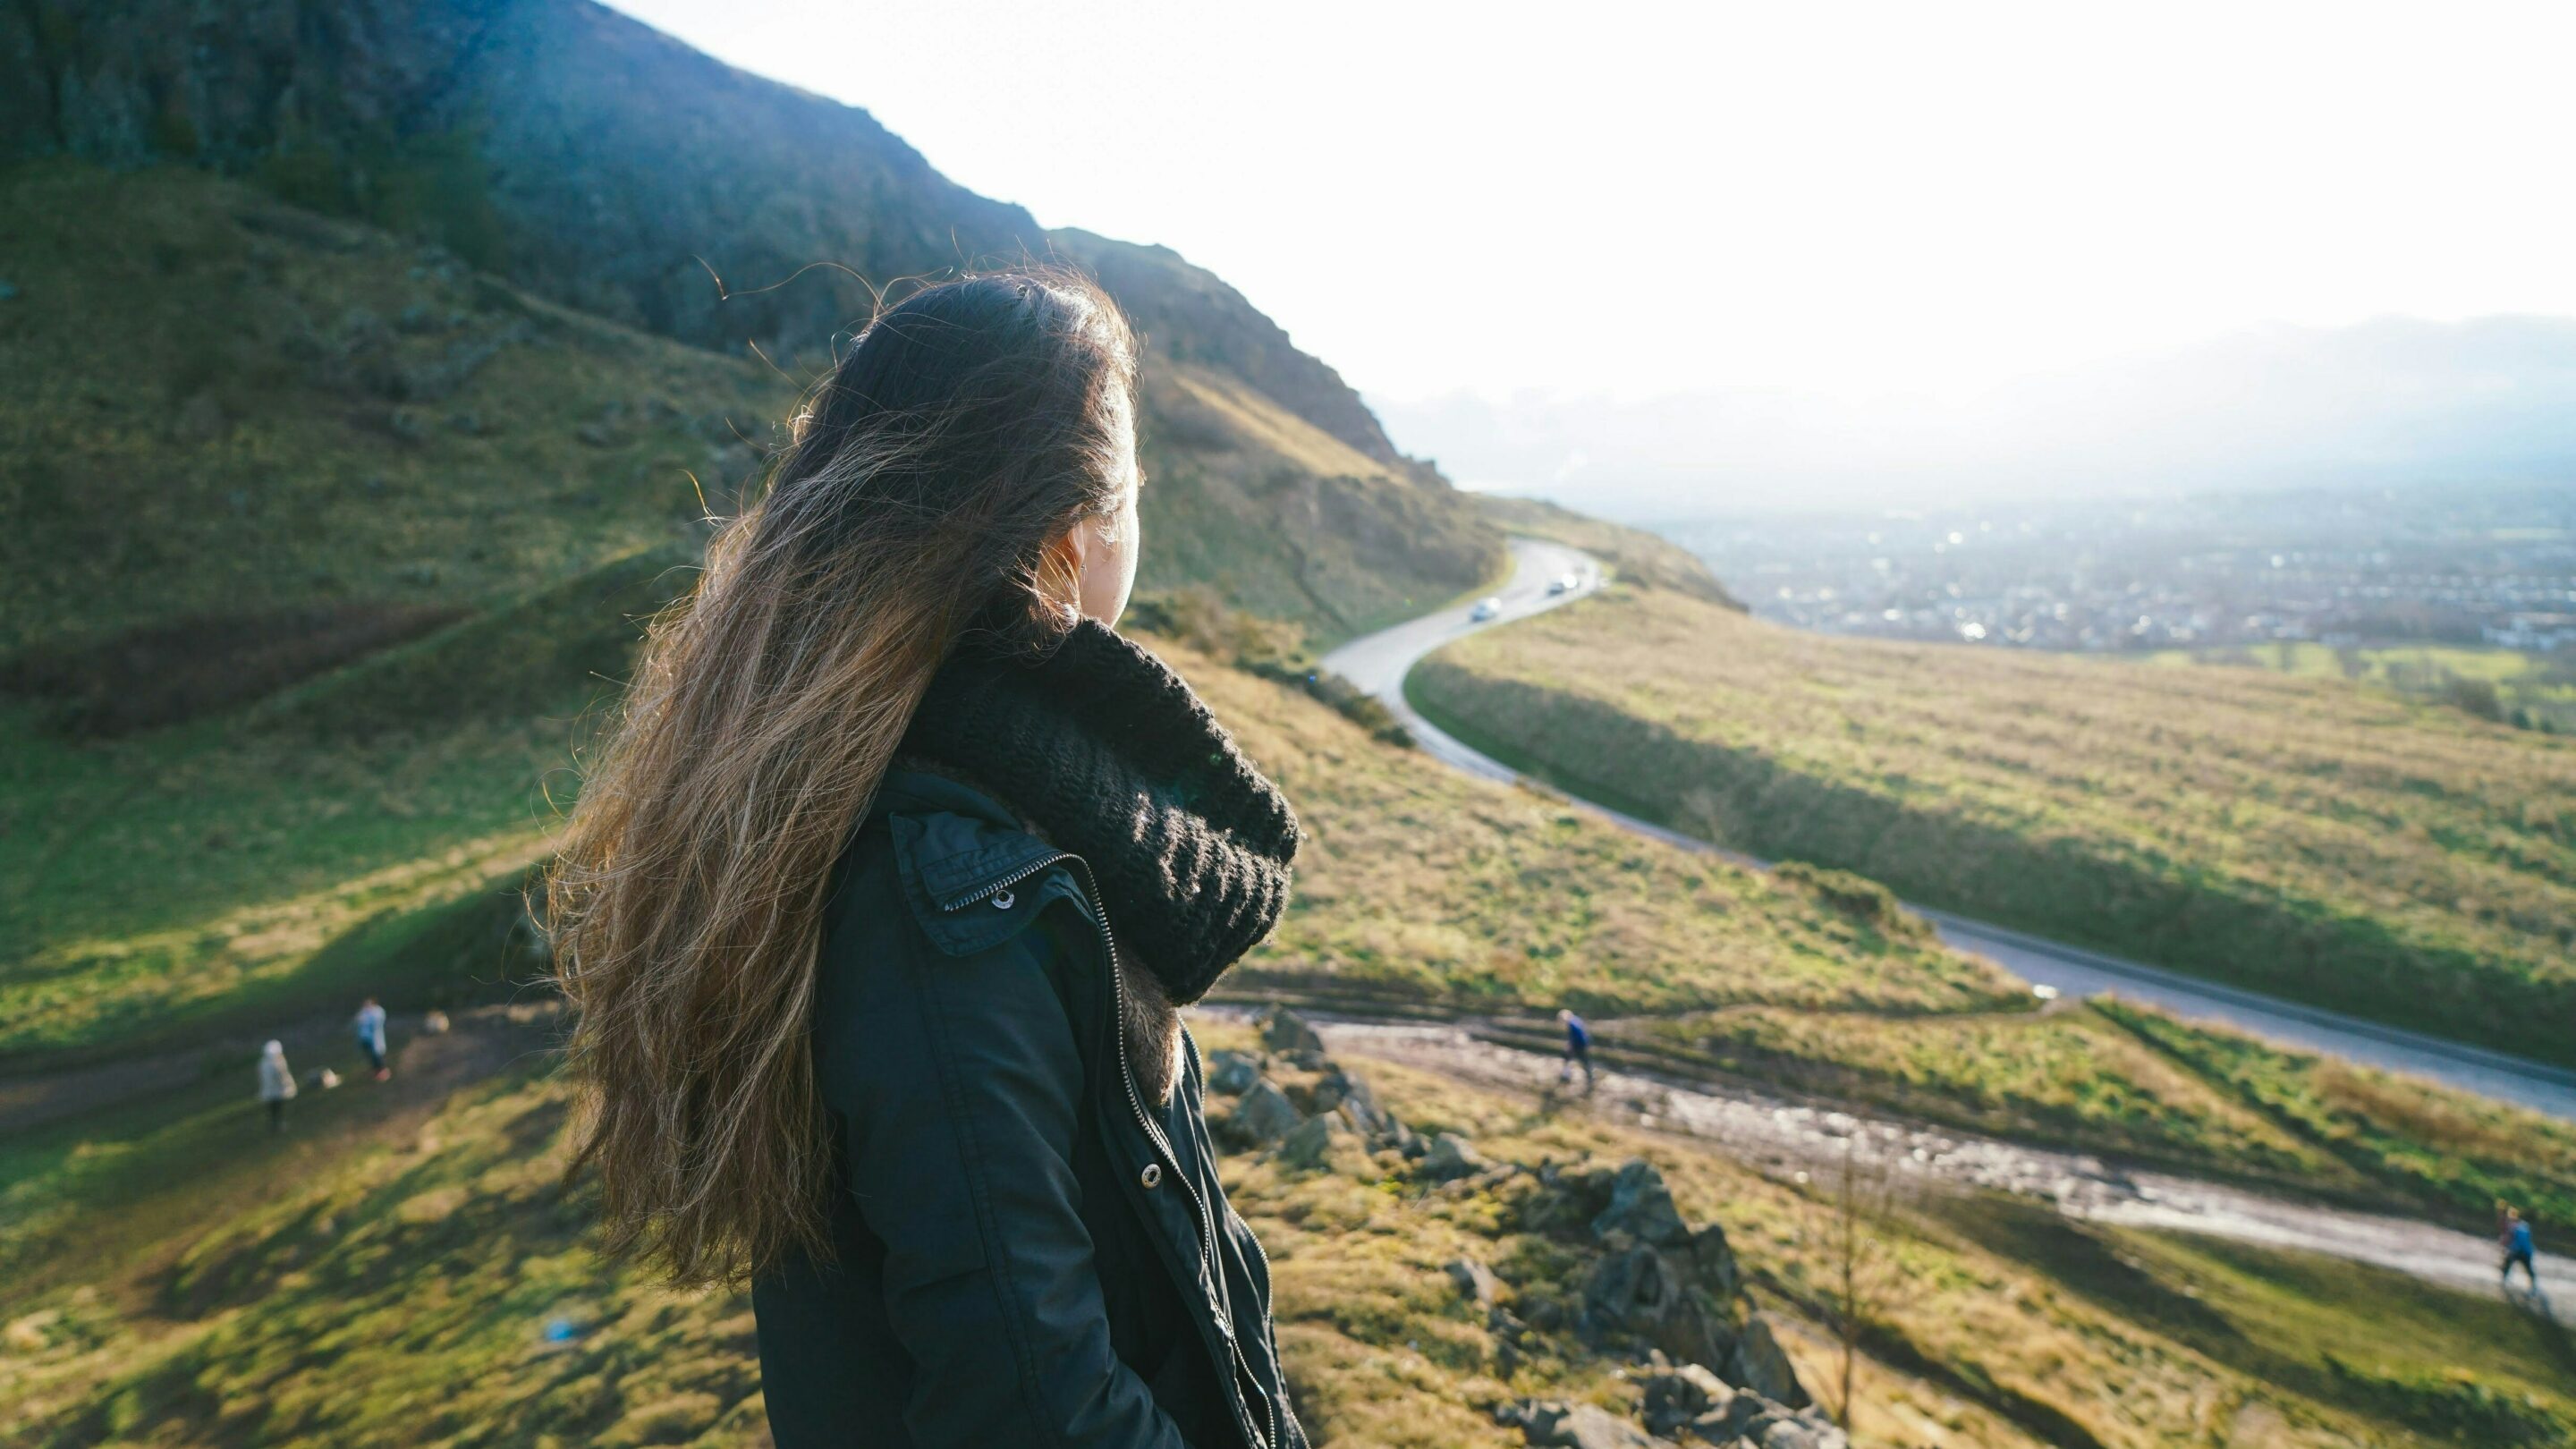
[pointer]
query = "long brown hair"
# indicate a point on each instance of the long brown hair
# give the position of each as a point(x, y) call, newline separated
point(968, 428)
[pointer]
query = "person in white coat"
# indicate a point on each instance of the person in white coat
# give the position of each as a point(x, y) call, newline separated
point(276, 1083)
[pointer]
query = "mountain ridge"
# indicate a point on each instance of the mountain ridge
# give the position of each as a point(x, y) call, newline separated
point(599, 164)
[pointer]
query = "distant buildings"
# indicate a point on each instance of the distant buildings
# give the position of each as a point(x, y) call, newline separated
point(2534, 631)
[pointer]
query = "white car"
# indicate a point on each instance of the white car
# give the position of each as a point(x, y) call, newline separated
point(1485, 609)
point(1565, 583)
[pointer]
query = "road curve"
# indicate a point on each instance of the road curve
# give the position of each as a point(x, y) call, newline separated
point(1379, 662)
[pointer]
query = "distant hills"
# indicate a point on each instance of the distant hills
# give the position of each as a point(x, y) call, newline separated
point(588, 161)
point(2392, 402)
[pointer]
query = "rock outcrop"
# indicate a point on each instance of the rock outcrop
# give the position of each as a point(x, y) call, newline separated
point(1649, 1287)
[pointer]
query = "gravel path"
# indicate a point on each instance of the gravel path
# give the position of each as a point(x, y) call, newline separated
point(1787, 1137)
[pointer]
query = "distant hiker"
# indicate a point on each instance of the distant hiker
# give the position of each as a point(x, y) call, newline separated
point(1578, 1049)
point(2516, 1239)
point(877, 911)
point(276, 1083)
point(371, 1036)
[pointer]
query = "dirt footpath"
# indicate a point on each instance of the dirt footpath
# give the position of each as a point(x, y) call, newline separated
point(1787, 1137)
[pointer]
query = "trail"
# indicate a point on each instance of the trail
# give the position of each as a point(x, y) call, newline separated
point(1379, 663)
point(1786, 1137)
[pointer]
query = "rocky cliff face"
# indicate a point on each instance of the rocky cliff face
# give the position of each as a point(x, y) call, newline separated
point(579, 152)
point(599, 163)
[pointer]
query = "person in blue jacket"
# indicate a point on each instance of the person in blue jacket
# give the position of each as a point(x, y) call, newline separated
point(1578, 1049)
point(2516, 1241)
point(878, 908)
point(370, 1027)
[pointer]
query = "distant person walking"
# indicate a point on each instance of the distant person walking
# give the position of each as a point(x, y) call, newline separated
point(276, 1083)
point(2516, 1239)
point(1578, 1049)
point(371, 1036)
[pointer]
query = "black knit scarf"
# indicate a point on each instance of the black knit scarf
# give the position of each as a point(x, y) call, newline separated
point(1112, 756)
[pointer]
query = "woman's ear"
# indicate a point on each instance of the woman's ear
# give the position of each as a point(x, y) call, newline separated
point(1060, 575)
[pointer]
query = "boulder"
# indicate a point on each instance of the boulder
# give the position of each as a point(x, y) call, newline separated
point(1262, 1118)
point(1310, 1144)
point(1283, 1030)
point(1394, 1136)
point(1232, 1073)
point(1451, 1156)
point(1740, 1417)
point(1642, 1207)
point(1679, 1396)
point(1652, 1295)
point(1761, 1365)
point(1714, 1261)
point(1805, 1431)
point(1559, 1425)
point(1475, 1281)
point(1341, 1092)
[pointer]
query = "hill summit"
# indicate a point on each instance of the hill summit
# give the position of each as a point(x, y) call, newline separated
point(584, 159)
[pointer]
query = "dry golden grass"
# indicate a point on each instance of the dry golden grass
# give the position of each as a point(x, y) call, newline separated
point(2308, 837)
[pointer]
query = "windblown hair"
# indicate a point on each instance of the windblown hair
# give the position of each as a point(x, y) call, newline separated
point(968, 428)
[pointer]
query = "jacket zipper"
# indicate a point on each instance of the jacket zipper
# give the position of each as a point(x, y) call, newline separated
point(990, 889)
point(1127, 1079)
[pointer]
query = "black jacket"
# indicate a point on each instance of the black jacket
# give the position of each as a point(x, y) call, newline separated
point(1030, 1249)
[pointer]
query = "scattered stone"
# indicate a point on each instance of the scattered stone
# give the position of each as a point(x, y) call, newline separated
point(1763, 1366)
point(1739, 1417)
point(1803, 1432)
point(1398, 1138)
point(1451, 1157)
point(1309, 1145)
point(435, 1023)
point(1283, 1030)
point(1232, 1073)
point(1341, 1092)
point(322, 1079)
point(1475, 1281)
point(1642, 1207)
point(1263, 1117)
point(1559, 1425)
point(1680, 1396)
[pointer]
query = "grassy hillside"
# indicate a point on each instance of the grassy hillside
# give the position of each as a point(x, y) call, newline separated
point(404, 1269)
point(1632, 553)
point(589, 160)
point(2386, 857)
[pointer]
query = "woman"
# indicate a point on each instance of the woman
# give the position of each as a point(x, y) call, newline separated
point(276, 1083)
point(877, 908)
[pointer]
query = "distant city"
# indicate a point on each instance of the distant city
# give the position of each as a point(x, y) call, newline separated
point(2361, 569)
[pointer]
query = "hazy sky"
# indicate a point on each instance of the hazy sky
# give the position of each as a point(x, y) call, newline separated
point(1642, 199)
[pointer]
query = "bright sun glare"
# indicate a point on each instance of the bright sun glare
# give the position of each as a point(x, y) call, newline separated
point(1644, 198)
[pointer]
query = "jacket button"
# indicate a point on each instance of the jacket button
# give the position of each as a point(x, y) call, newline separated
point(1152, 1176)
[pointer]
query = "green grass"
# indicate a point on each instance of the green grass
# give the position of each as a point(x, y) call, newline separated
point(256, 866)
point(404, 1268)
point(2531, 690)
point(2308, 838)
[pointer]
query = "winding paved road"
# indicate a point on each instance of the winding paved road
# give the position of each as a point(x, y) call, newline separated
point(1379, 662)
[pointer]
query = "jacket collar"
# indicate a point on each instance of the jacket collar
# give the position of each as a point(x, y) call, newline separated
point(959, 842)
